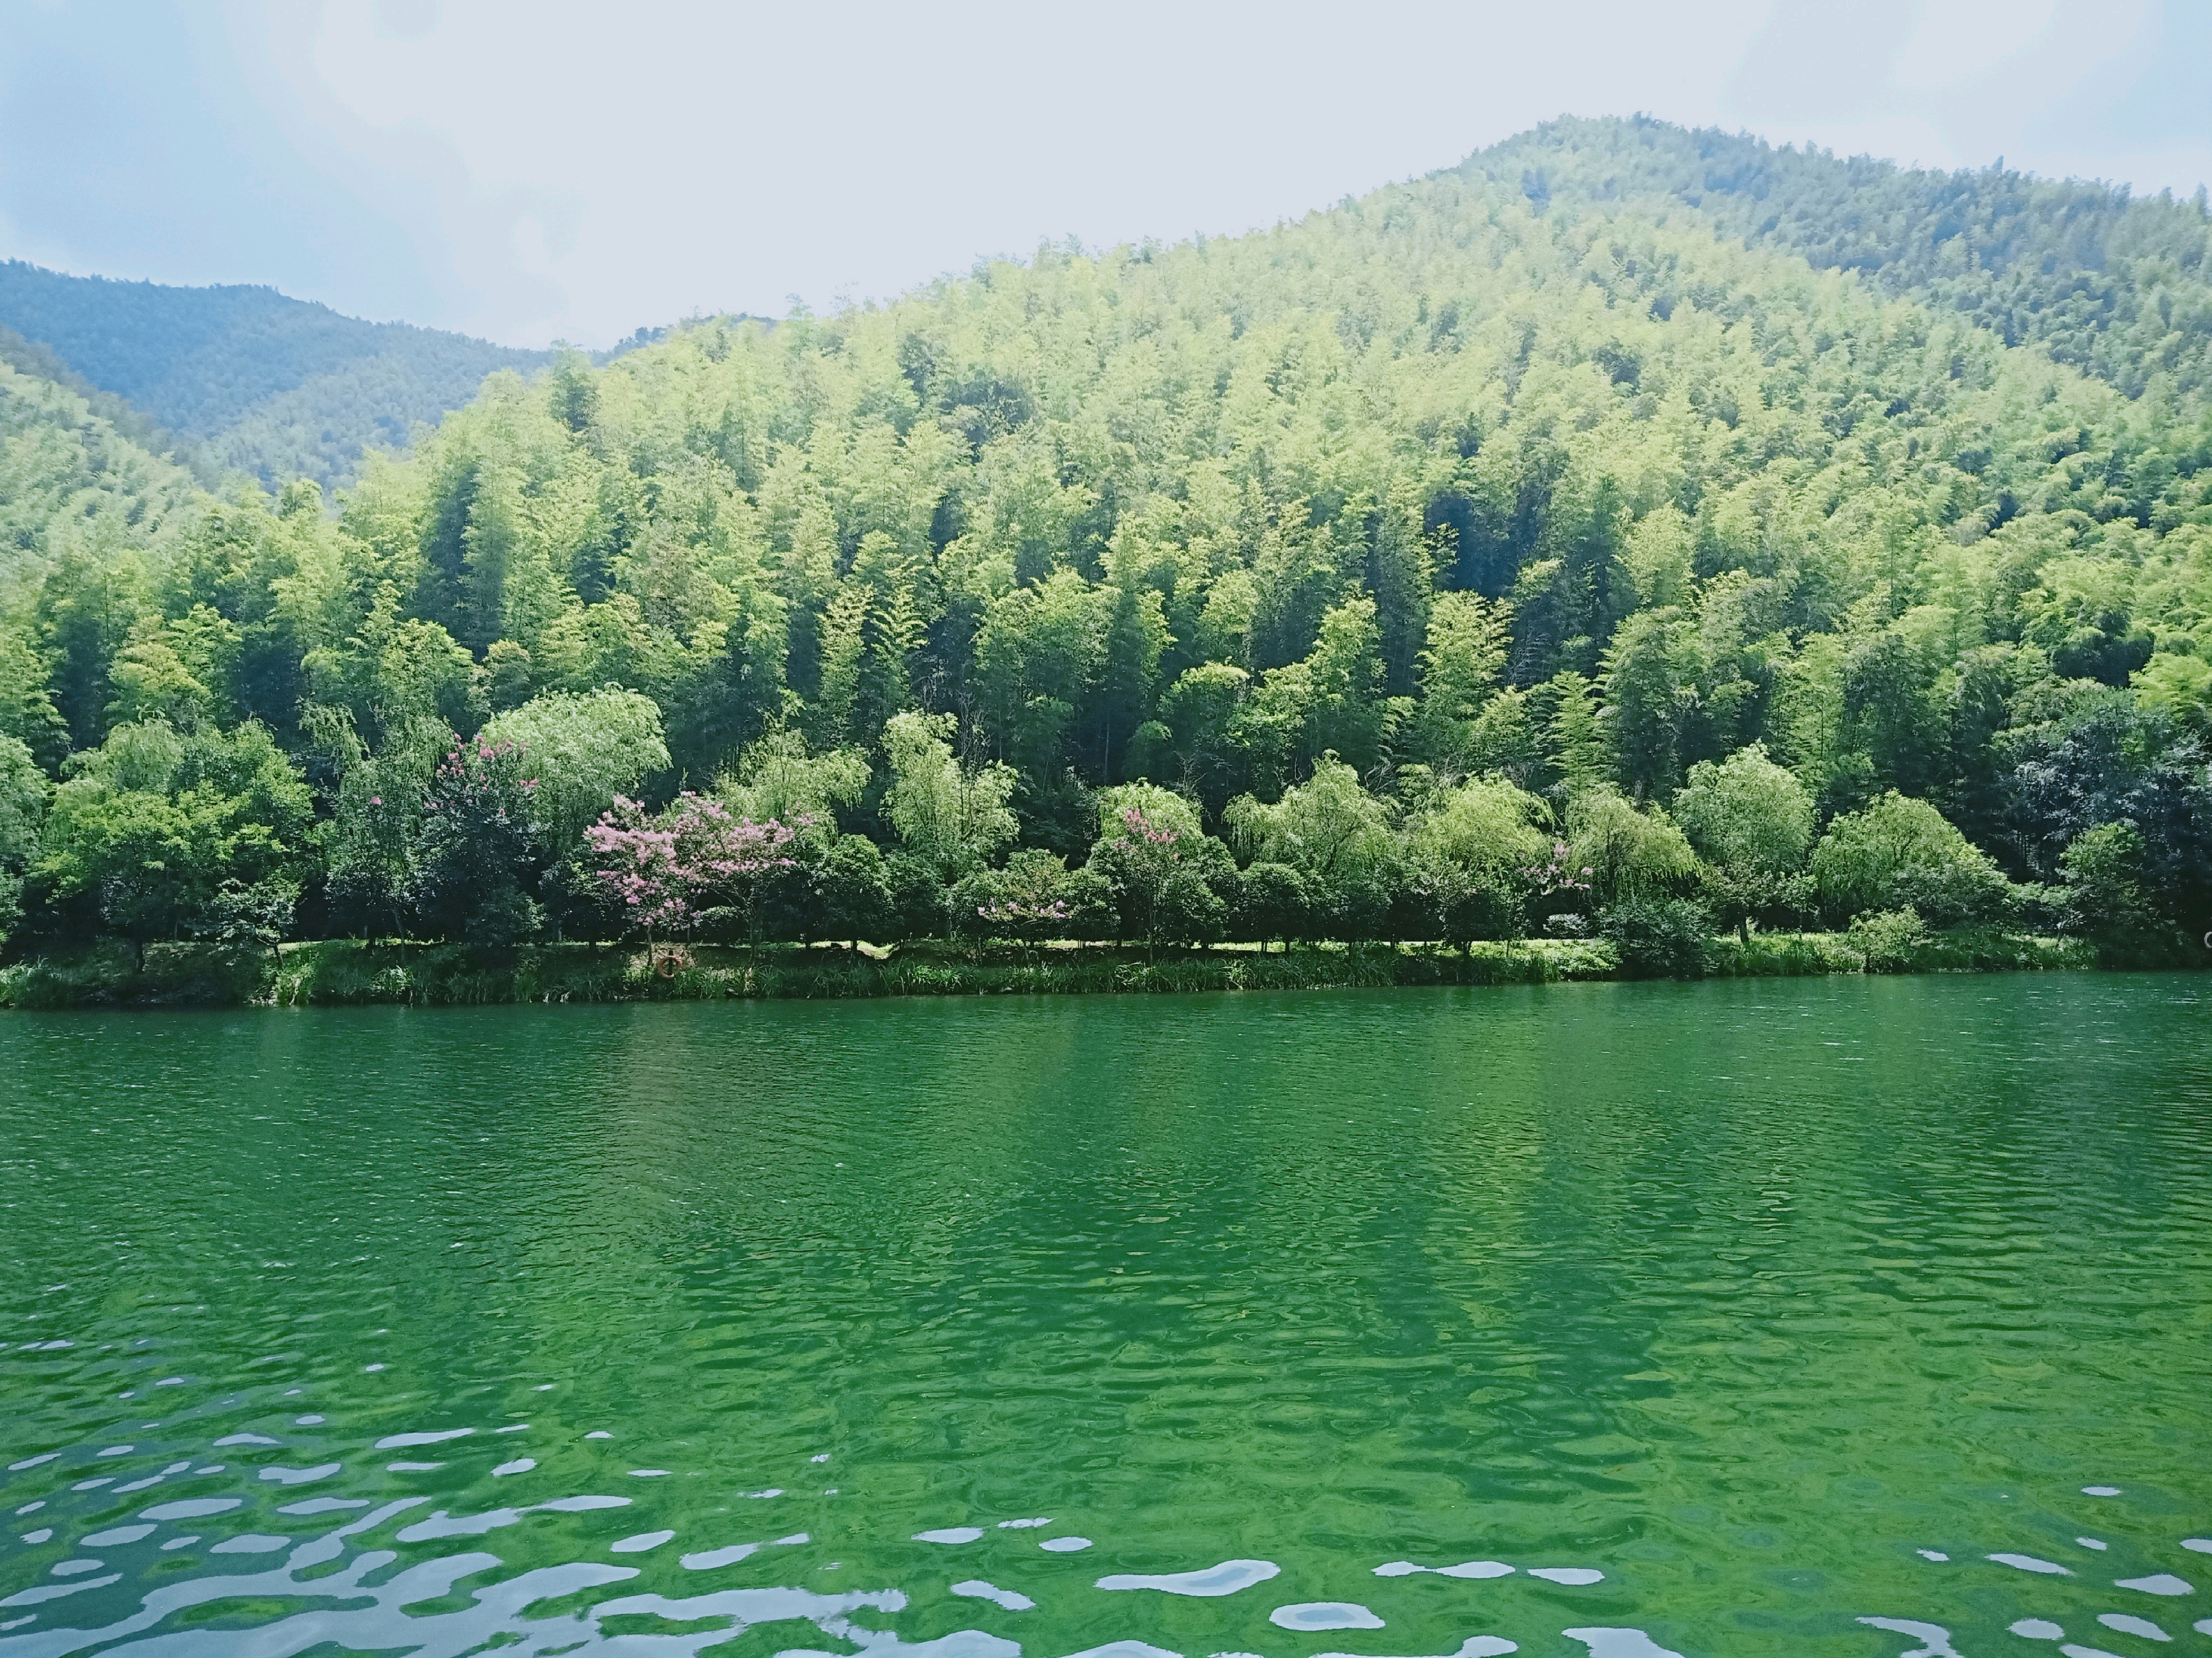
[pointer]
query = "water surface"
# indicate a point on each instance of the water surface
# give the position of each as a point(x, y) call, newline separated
point(1712, 1321)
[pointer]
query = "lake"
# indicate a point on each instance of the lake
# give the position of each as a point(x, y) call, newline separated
point(1842, 1316)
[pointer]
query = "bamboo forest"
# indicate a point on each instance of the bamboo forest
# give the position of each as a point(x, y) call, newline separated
point(1632, 535)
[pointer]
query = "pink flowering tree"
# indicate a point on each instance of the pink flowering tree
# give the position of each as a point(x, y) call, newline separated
point(1141, 857)
point(1557, 877)
point(664, 870)
point(730, 859)
point(1027, 901)
point(634, 861)
point(1559, 874)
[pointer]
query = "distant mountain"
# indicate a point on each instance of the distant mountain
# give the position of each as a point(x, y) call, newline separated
point(244, 378)
point(2118, 286)
point(42, 363)
point(75, 472)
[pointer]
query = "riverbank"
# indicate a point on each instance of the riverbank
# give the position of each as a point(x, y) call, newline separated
point(349, 972)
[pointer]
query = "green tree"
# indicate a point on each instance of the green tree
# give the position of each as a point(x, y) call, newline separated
point(581, 751)
point(1271, 903)
point(1752, 823)
point(1329, 702)
point(154, 824)
point(1625, 853)
point(1335, 835)
point(2106, 896)
point(1652, 699)
point(1461, 660)
point(778, 778)
point(1200, 710)
point(23, 793)
point(953, 818)
point(1470, 851)
point(1902, 854)
point(852, 890)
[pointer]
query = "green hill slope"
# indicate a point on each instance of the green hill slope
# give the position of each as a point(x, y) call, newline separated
point(70, 476)
point(255, 381)
point(1484, 515)
point(2118, 286)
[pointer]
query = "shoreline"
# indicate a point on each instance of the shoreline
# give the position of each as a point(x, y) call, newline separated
point(339, 973)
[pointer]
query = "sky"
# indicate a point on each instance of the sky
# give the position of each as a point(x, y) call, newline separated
point(534, 170)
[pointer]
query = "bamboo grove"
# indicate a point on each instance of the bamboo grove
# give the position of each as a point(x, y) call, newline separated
point(1469, 559)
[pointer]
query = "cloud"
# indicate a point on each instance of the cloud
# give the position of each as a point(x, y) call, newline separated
point(563, 167)
point(1956, 40)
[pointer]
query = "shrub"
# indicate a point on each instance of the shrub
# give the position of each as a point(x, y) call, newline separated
point(1890, 940)
point(1657, 938)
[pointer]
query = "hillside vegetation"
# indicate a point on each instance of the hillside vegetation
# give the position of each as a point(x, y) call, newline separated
point(1631, 532)
point(245, 379)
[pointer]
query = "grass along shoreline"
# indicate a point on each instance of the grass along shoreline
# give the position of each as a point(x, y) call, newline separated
point(353, 973)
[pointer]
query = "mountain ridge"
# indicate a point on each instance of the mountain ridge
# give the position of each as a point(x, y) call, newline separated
point(2066, 264)
point(250, 378)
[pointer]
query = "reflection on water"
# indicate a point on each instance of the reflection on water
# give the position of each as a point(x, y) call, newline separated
point(369, 1585)
point(1546, 1341)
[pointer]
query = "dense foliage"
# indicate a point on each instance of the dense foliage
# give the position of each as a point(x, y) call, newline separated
point(245, 378)
point(2112, 285)
point(1486, 555)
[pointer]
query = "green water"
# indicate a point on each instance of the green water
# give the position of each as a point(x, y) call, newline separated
point(1740, 1295)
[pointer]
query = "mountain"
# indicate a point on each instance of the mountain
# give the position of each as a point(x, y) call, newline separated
point(1534, 493)
point(74, 470)
point(2113, 285)
point(245, 379)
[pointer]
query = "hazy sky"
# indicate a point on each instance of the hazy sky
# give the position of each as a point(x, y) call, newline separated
point(559, 169)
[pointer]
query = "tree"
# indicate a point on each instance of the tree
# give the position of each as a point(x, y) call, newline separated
point(2105, 898)
point(1651, 695)
point(23, 792)
point(1657, 938)
point(778, 778)
point(1036, 655)
point(1752, 823)
point(475, 856)
point(152, 826)
point(1151, 853)
point(1336, 835)
point(1625, 853)
point(582, 751)
point(666, 871)
point(1470, 852)
point(1027, 900)
point(1902, 854)
point(953, 817)
point(852, 890)
point(1329, 702)
point(1271, 903)
point(368, 843)
point(1461, 660)
point(1200, 710)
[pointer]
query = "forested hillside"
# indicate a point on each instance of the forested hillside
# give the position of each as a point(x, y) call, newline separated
point(2113, 285)
point(1544, 544)
point(244, 378)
